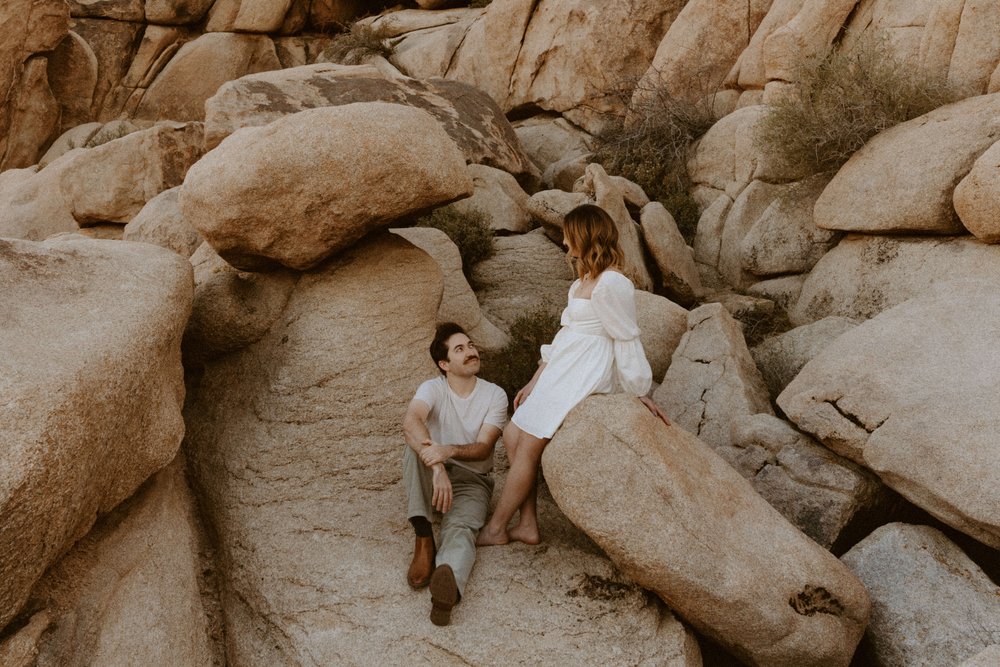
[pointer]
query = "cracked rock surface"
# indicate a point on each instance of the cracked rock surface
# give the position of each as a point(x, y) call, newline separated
point(911, 395)
point(782, 357)
point(677, 519)
point(931, 605)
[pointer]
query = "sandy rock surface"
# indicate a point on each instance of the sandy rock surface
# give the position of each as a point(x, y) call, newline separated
point(500, 197)
point(674, 259)
point(977, 196)
point(161, 223)
point(782, 357)
point(91, 393)
point(680, 521)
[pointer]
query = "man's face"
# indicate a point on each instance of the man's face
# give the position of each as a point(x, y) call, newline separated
point(463, 357)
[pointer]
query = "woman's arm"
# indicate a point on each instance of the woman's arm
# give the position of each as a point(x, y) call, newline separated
point(526, 390)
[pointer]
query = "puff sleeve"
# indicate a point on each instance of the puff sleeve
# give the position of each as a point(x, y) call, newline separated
point(613, 300)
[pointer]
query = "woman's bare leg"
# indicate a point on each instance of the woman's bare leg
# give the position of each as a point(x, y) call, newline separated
point(527, 452)
point(526, 528)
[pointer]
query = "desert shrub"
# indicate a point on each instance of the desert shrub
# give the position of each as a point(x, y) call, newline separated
point(513, 365)
point(842, 101)
point(358, 43)
point(469, 231)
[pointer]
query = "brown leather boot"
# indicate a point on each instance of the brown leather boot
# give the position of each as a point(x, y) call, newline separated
point(444, 595)
point(422, 565)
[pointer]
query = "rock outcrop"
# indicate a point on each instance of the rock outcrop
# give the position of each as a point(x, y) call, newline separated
point(161, 223)
point(977, 196)
point(780, 358)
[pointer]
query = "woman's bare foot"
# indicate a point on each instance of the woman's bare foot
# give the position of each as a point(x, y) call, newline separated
point(525, 534)
point(488, 538)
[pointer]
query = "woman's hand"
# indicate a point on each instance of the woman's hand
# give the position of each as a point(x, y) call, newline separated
point(522, 395)
point(655, 409)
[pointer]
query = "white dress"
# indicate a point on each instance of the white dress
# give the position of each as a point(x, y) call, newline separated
point(597, 351)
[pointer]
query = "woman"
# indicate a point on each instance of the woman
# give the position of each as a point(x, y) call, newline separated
point(596, 351)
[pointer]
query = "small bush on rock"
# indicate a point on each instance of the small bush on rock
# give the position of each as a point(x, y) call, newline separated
point(513, 366)
point(842, 101)
point(469, 231)
point(357, 44)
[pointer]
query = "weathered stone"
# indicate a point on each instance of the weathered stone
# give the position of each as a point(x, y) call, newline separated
point(550, 139)
point(808, 35)
point(662, 324)
point(780, 359)
point(726, 157)
point(864, 275)
point(743, 215)
point(976, 55)
point(563, 174)
point(161, 223)
point(988, 657)
point(712, 378)
point(671, 254)
point(783, 291)
point(471, 119)
point(700, 537)
point(114, 44)
point(34, 116)
point(977, 197)
point(426, 44)
point(458, 302)
point(549, 207)
point(299, 189)
point(708, 235)
point(931, 605)
point(889, 185)
point(176, 12)
point(72, 75)
point(156, 48)
point(922, 415)
point(118, 10)
point(247, 15)
point(748, 72)
point(498, 195)
point(91, 394)
point(68, 140)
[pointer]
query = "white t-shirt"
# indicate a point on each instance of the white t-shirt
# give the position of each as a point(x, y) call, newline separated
point(454, 420)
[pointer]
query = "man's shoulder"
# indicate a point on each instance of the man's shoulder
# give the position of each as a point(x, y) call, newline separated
point(493, 390)
point(430, 389)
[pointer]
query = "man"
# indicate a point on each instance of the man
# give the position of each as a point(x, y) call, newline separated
point(451, 427)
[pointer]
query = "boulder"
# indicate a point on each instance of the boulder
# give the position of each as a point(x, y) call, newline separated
point(34, 115)
point(890, 186)
point(128, 592)
point(727, 157)
point(458, 301)
point(662, 324)
point(708, 235)
point(808, 35)
point(864, 275)
point(247, 15)
point(673, 257)
point(549, 207)
point(300, 189)
point(118, 10)
point(526, 273)
point(748, 73)
point(498, 195)
point(176, 12)
point(931, 605)
point(90, 402)
point(551, 139)
point(199, 67)
point(158, 45)
point(988, 657)
point(72, 74)
point(781, 358)
point(827, 497)
point(301, 481)
point(748, 209)
point(115, 44)
point(975, 57)
point(922, 415)
point(783, 291)
point(68, 140)
point(565, 173)
point(161, 223)
point(678, 520)
point(712, 378)
point(977, 196)
point(425, 46)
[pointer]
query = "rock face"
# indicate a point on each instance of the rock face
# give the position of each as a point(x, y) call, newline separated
point(662, 324)
point(985, 658)
point(712, 378)
point(864, 275)
point(498, 195)
point(470, 118)
point(780, 359)
point(702, 538)
point(887, 186)
point(977, 196)
point(672, 256)
point(825, 496)
point(300, 189)
point(921, 415)
point(129, 591)
point(458, 302)
point(931, 605)
point(285, 455)
point(161, 223)
point(91, 394)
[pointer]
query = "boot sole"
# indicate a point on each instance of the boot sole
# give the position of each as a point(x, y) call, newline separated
point(444, 595)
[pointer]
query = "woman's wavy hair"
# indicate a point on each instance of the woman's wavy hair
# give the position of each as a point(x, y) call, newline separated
point(592, 232)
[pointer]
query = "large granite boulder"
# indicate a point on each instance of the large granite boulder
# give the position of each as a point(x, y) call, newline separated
point(988, 657)
point(909, 395)
point(662, 324)
point(301, 481)
point(674, 259)
point(308, 185)
point(680, 521)
point(977, 196)
point(470, 117)
point(161, 223)
point(931, 605)
point(889, 185)
point(780, 358)
point(498, 195)
point(91, 395)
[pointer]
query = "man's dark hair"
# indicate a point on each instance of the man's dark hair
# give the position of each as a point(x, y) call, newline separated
point(439, 346)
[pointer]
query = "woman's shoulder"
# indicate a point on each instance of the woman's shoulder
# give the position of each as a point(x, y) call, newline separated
point(614, 279)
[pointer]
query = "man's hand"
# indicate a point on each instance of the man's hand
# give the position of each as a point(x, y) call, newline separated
point(433, 453)
point(441, 500)
point(655, 409)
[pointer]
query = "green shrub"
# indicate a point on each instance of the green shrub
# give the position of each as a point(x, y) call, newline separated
point(842, 101)
point(357, 44)
point(513, 366)
point(470, 232)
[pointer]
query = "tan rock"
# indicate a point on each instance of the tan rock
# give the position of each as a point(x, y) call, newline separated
point(977, 196)
point(889, 185)
point(938, 40)
point(247, 15)
point(712, 378)
point(176, 12)
point(325, 14)
point(161, 223)
point(985, 658)
point(698, 535)
point(158, 45)
point(900, 27)
point(114, 44)
point(72, 75)
point(500, 197)
point(425, 53)
point(662, 324)
point(549, 207)
point(92, 393)
point(673, 257)
point(118, 10)
point(34, 116)
point(920, 415)
point(977, 48)
point(268, 195)
point(458, 302)
point(864, 275)
point(128, 592)
point(550, 139)
point(563, 174)
point(197, 70)
point(749, 71)
point(783, 291)
point(809, 34)
point(21, 649)
point(401, 22)
point(68, 140)
point(708, 236)
point(727, 158)
point(928, 597)
point(780, 358)
point(743, 216)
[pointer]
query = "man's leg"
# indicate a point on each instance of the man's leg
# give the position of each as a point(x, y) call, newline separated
point(419, 490)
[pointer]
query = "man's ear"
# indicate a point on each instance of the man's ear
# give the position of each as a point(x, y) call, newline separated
point(443, 365)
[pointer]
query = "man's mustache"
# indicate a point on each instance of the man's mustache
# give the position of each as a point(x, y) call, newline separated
point(468, 359)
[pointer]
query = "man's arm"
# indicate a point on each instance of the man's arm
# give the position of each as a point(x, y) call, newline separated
point(480, 450)
point(418, 438)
